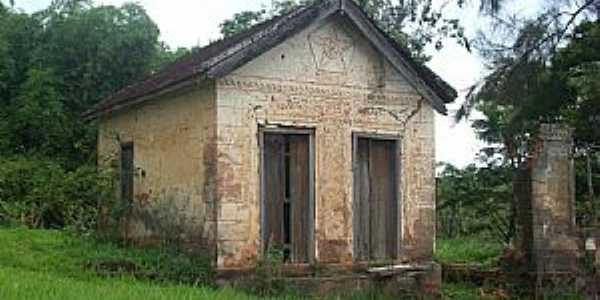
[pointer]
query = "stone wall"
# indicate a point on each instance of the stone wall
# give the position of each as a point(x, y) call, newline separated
point(174, 154)
point(330, 79)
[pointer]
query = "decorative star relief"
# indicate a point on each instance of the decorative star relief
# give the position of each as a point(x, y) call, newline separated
point(332, 49)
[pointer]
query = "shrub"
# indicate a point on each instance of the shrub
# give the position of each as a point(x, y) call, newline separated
point(171, 265)
point(40, 193)
point(267, 280)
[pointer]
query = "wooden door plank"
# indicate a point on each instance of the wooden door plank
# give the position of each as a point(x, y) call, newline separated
point(377, 221)
point(383, 175)
point(274, 190)
point(363, 194)
point(300, 196)
point(377, 208)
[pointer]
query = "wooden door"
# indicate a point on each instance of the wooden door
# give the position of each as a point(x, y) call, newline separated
point(376, 205)
point(287, 210)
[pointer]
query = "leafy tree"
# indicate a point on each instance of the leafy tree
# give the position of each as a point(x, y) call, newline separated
point(241, 21)
point(58, 62)
point(54, 64)
point(577, 67)
point(37, 116)
point(18, 36)
point(546, 72)
point(561, 86)
point(96, 50)
point(166, 55)
point(466, 195)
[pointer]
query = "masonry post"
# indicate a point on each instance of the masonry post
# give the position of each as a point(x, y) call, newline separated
point(553, 202)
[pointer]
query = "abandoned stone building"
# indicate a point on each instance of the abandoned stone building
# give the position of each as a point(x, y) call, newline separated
point(311, 133)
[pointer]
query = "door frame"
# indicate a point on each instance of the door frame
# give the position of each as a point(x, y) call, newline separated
point(397, 139)
point(310, 132)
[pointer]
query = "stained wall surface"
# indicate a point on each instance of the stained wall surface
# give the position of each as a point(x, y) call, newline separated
point(553, 201)
point(174, 148)
point(327, 78)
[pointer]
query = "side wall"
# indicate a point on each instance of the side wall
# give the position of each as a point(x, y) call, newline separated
point(174, 152)
point(327, 78)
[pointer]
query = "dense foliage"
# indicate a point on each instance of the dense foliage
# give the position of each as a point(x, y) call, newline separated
point(40, 193)
point(54, 65)
point(564, 87)
point(59, 62)
point(475, 201)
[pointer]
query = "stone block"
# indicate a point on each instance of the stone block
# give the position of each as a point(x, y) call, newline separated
point(234, 211)
point(233, 230)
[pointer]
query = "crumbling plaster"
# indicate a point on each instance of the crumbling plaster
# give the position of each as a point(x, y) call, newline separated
point(330, 79)
point(173, 159)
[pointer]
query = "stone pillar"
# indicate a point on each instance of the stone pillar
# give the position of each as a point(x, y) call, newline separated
point(554, 244)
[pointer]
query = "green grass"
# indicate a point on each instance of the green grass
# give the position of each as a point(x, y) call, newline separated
point(467, 251)
point(47, 264)
point(470, 251)
point(50, 264)
point(23, 284)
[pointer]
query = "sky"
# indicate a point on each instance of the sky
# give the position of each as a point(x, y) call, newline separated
point(187, 23)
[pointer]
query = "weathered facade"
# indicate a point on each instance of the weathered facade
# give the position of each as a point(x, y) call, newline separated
point(320, 143)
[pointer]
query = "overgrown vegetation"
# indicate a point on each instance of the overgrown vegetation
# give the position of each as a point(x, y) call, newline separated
point(83, 258)
point(48, 264)
point(54, 65)
point(468, 251)
point(267, 278)
point(40, 193)
point(465, 195)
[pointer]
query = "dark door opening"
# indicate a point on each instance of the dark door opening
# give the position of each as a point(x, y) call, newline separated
point(375, 201)
point(287, 219)
point(127, 173)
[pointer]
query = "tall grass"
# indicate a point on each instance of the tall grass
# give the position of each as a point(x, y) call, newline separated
point(49, 264)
